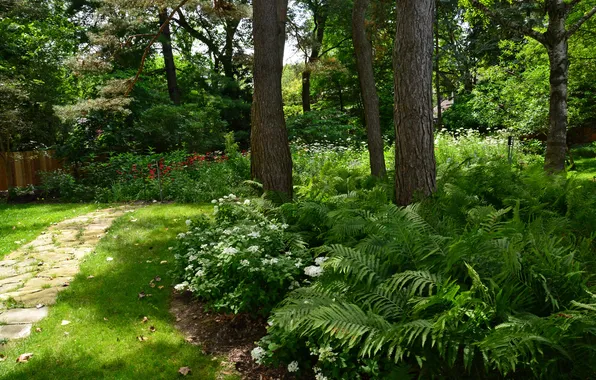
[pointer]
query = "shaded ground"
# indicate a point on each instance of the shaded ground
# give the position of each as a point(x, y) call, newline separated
point(227, 335)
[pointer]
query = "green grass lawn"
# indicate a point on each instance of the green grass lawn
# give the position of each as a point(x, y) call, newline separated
point(585, 168)
point(19, 224)
point(105, 311)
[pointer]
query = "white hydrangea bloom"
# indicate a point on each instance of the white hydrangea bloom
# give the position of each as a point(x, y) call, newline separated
point(320, 260)
point(245, 263)
point(188, 222)
point(284, 226)
point(253, 248)
point(258, 354)
point(182, 286)
point(247, 202)
point(313, 271)
point(214, 201)
point(255, 234)
point(181, 235)
point(230, 251)
point(293, 366)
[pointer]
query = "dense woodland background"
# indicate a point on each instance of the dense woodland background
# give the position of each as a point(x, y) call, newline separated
point(64, 66)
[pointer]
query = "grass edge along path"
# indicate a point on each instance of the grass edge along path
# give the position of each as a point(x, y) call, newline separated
point(96, 329)
point(20, 224)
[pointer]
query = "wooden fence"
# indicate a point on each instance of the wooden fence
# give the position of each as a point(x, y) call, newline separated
point(24, 167)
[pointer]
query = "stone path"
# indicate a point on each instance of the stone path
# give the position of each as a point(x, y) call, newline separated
point(32, 276)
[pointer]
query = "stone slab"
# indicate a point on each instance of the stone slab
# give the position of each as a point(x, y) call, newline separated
point(15, 331)
point(23, 316)
point(45, 297)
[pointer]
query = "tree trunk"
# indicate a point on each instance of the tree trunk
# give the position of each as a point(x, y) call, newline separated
point(306, 90)
point(270, 155)
point(320, 17)
point(557, 47)
point(437, 70)
point(415, 164)
point(556, 144)
point(370, 98)
point(168, 57)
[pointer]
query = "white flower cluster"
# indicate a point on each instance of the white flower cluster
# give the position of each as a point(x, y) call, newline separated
point(319, 374)
point(182, 286)
point(293, 366)
point(315, 270)
point(258, 354)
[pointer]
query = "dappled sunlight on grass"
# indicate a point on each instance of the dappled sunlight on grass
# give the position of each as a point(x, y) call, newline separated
point(19, 224)
point(106, 311)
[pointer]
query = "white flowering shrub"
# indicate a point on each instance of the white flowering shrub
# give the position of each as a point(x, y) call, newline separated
point(242, 261)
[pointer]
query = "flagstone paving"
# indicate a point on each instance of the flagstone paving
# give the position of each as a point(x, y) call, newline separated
point(32, 276)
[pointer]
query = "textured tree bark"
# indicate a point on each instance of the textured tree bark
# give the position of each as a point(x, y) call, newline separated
point(438, 72)
point(557, 47)
point(415, 164)
point(168, 57)
point(270, 150)
point(370, 98)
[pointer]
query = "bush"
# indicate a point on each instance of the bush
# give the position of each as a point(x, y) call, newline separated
point(325, 126)
point(243, 261)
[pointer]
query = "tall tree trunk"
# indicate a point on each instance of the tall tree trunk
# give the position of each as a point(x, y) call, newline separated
point(415, 164)
point(320, 17)
point(168, 57)
point(370, 98)
point(557, 47)
point(306, 89)
point(270, 155)
point(437, 70)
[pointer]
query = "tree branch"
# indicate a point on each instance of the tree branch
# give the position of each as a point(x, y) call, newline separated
point(196, 34)
point(495, 16)
point(148, 48)
point(335, 46)
point(580, 22)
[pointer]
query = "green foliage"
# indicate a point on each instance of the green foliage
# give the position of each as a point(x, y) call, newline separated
point(175, 176)
point(489, 278)
point(242, 261)
point(325, 126)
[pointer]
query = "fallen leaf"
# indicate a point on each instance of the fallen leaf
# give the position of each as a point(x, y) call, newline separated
point(152, 284)
point(160, 287)
point(157, 279)
point(39, 305)
point(145, 319)
point(152, 329)
point(163, 262)
point(23, 358)
point(184, 371)
point(66, 333)
point(65, 322)
point(149, 295)
point(2, 357)
point(66, 284)
point(38, 329)
point(142, 295)
point(142, 338)
point(110, 259)
point(190, 339)
point(149, 261)
point(90, 277)
point(105, 319)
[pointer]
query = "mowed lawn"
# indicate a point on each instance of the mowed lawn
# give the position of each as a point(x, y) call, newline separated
point(19, 224)
point(106, 337)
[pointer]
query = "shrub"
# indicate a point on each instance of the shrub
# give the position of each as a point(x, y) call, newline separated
point(325, 126)
point(242, 261)
point(500, 297)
